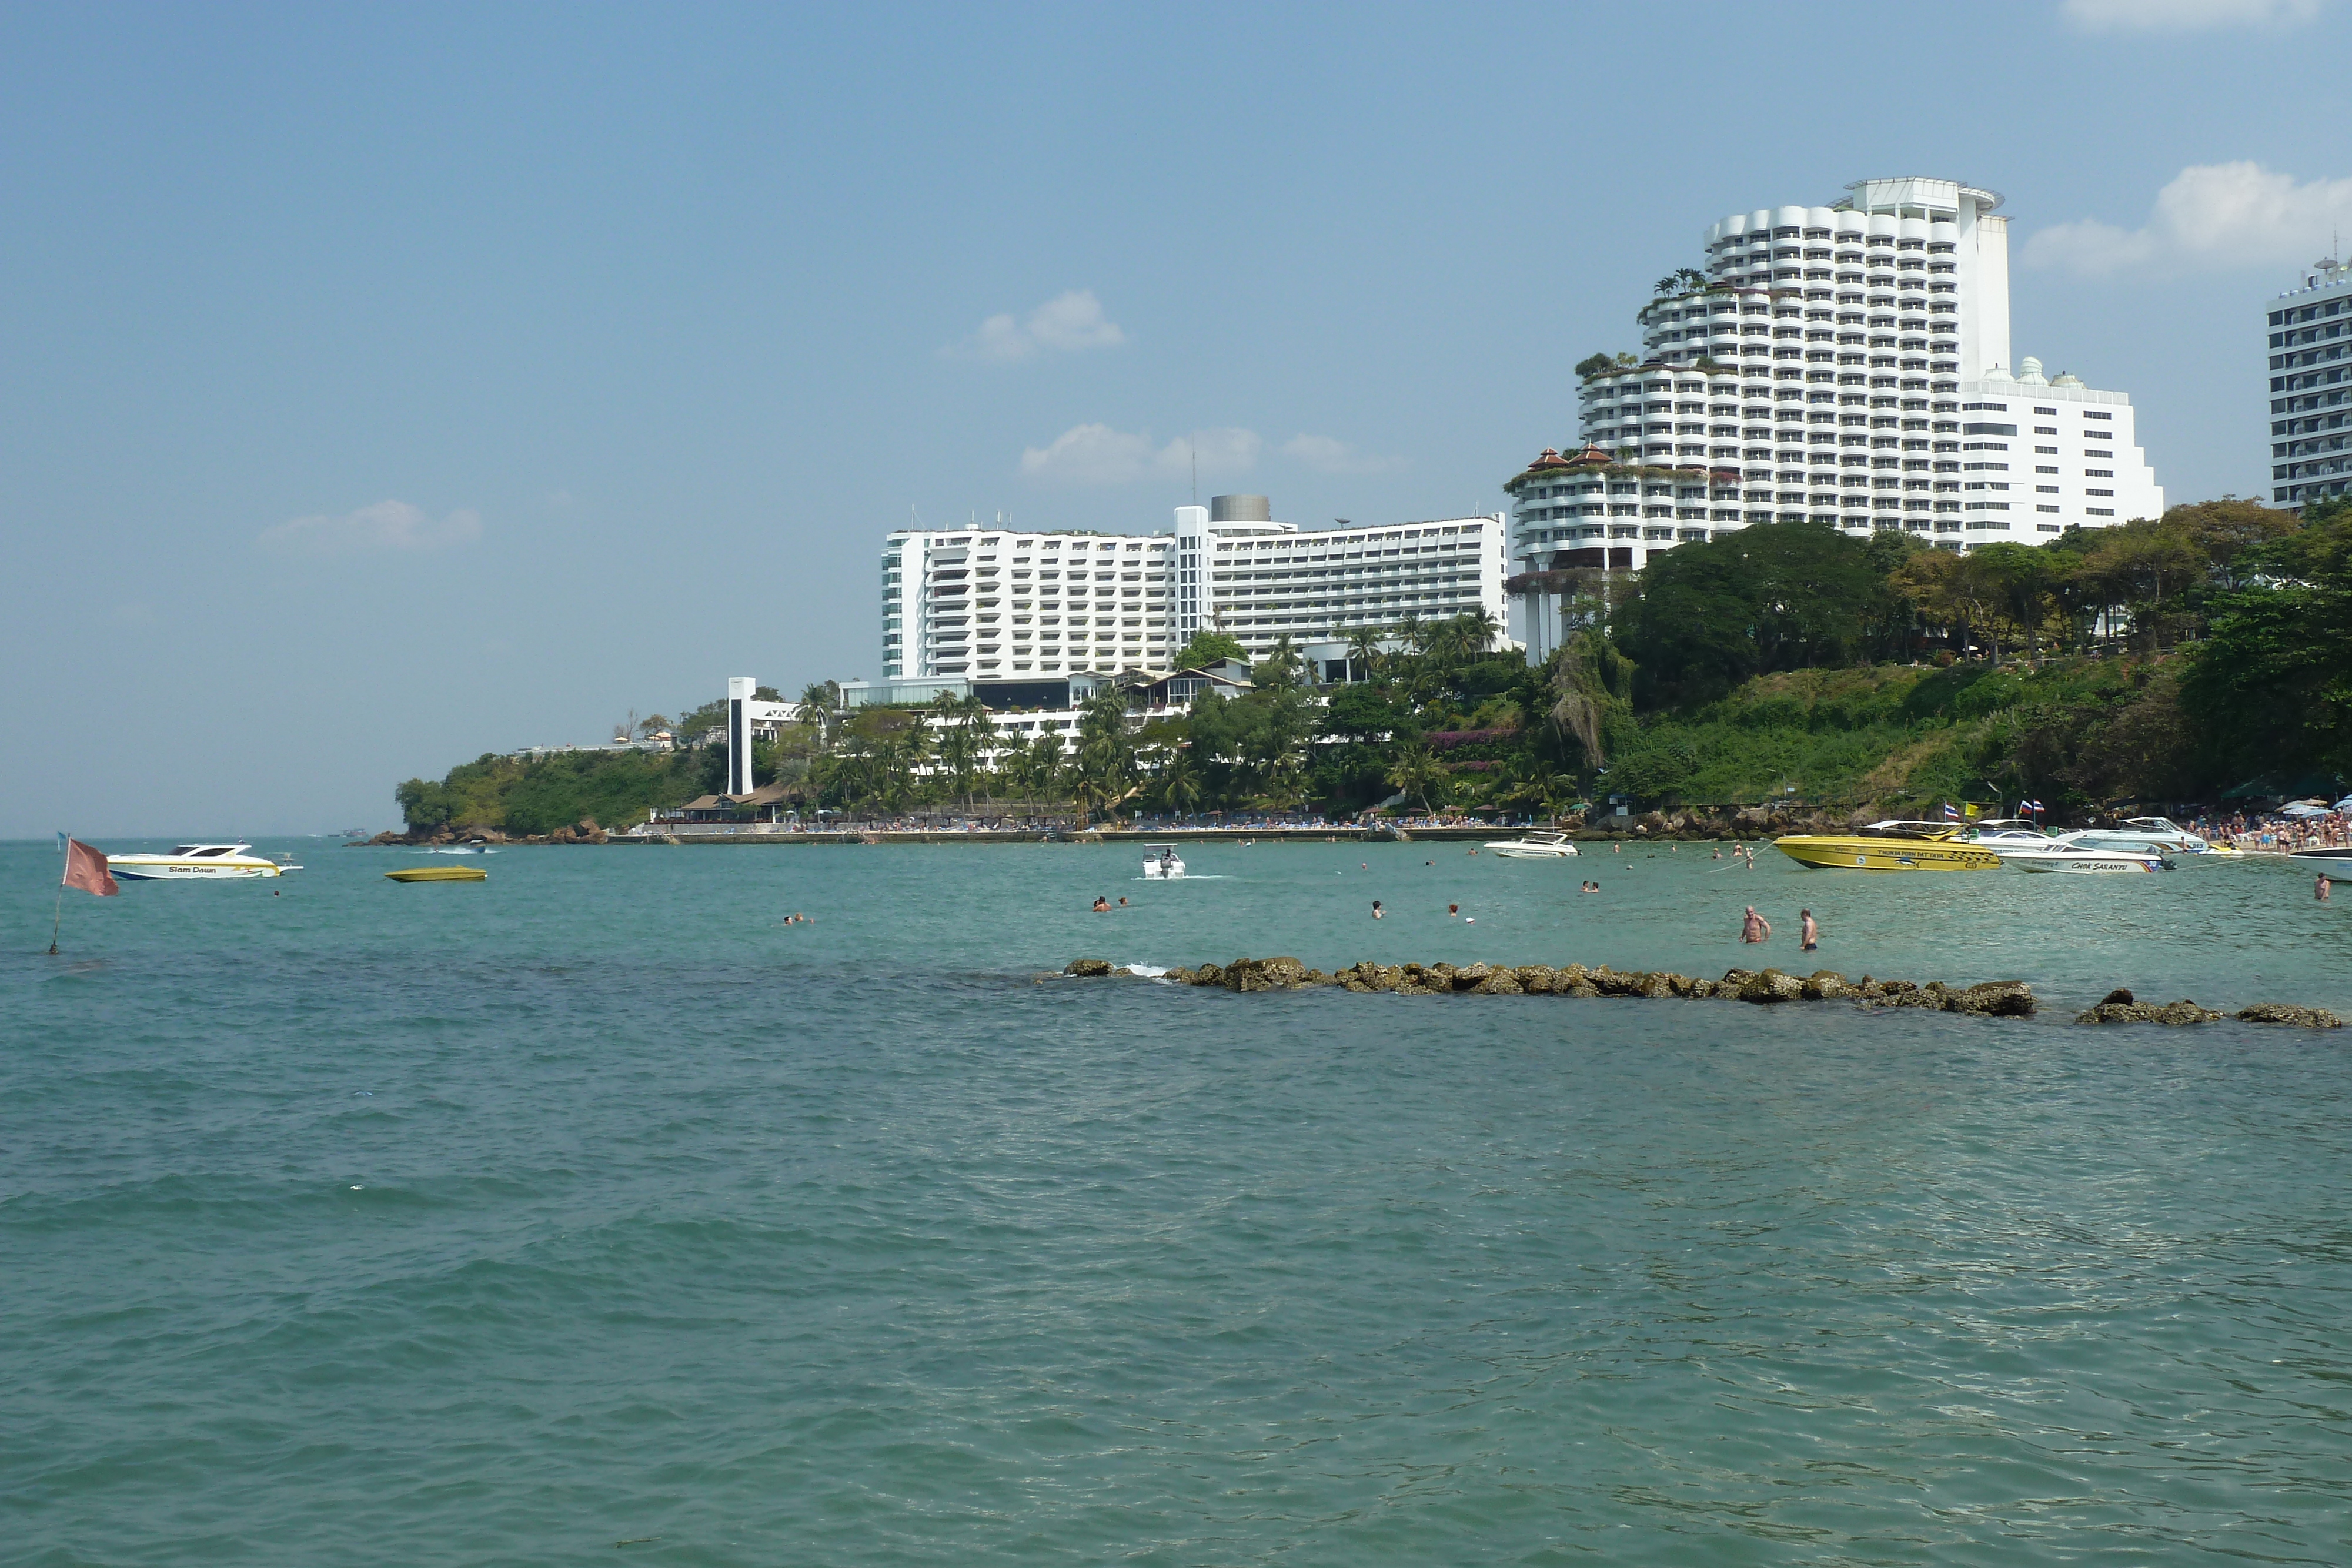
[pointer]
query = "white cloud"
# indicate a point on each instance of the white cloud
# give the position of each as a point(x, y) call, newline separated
point(386, 526)
point(1334, 457)
point(2184, 16)
point(2211, 215)
point(1098, 454)
point(1068, 323)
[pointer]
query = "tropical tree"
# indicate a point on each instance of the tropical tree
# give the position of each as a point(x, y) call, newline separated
point(2017, 579)
point(1282, 666)
point(1105, 762)
point(1177, 785)
point(1208, 648)
point(819, 702)
point(1414, 771)
point(1040, 766)
point(1590, 681)
point(1364, 651)
point(2143, 567)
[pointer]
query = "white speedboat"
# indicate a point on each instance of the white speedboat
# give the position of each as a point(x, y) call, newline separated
point(1998, 833)
point(1160, 863)
point(2132, 834)
point(196, 862)
point(2055, 857)
point(1534, 847)
point(475, 848)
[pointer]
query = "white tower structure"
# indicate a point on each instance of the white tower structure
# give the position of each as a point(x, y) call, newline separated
point(1845, 364)
point(2310, 332)
point(747, 715)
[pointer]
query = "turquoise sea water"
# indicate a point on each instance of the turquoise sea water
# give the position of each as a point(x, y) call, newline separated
point(348, 1222)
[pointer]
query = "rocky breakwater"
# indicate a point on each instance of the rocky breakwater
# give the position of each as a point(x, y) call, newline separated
point(2119, 1006)
point(1994, 998)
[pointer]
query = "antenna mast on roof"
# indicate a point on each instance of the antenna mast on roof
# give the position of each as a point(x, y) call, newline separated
point(1196, 473)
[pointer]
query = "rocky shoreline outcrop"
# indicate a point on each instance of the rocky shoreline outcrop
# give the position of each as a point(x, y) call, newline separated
point(584, 831)
point(2119, 1006)
point(1990, 998)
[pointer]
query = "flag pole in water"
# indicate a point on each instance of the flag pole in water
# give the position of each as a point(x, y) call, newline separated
point(85, 868)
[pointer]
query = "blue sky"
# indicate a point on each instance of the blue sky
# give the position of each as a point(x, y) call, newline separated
point(379, 386)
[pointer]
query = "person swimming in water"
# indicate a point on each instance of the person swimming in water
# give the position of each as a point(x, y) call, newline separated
point(1377, 912)
point(1755, 927)
point(1102, 904)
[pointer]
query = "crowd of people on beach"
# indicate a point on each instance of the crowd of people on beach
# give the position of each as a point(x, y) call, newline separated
point(2275, 831)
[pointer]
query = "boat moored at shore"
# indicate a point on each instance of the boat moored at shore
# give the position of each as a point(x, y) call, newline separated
point(1162, 862)
point(1889, 846)
point(2075, 860)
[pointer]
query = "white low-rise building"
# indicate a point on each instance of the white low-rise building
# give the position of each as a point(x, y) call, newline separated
point(991, 604)
point(1846, 365)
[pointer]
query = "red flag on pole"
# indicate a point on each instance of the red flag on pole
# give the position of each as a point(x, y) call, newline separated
point(85, 869)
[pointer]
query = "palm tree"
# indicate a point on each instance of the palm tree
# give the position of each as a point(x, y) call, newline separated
point(1177, 787)
point(1364, 648)
point(1282, 664)
point(1037, 767)
point(818, 701)
point(1478, 631)
point(1415, 772)
point(1105, 751)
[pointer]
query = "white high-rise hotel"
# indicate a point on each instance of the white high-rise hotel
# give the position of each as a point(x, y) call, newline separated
point(996, 605)
point(1846, 364)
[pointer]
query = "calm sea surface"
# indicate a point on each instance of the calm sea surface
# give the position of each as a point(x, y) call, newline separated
point(594, 1214)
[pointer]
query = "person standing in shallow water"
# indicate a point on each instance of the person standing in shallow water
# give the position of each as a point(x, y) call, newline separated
point(2319, 889)
point(1810, 933)
point(1755, 927)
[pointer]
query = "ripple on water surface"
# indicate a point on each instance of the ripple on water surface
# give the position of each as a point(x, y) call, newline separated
point(594, 1204)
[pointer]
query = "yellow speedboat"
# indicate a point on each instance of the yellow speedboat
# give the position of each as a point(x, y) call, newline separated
point(1889, 846)
point(440, 873)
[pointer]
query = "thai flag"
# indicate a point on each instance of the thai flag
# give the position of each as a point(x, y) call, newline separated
point(2033, 807)
point(1951, 812)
